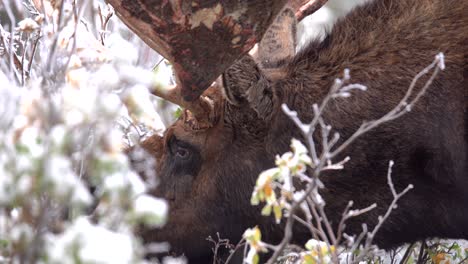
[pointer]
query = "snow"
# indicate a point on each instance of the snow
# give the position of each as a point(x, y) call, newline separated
point(106, 77)
point(59, 172)
point(152, 210)
point(173, 260)
point(31, 140)
point(124, 180)
point(138, 100)
point(122, 50)
point(110, 104)
point(91, 244)
point(317, 25)
point(28, 25)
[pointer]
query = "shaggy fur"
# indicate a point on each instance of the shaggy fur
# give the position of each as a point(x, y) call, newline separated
point(384, 44)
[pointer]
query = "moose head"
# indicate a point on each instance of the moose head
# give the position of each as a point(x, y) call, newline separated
point(209, 159)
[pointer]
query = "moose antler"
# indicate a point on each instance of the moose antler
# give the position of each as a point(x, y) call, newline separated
point(201, 38)
point(304, 8)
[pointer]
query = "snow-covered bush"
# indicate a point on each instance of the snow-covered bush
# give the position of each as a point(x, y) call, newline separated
point(73, 84)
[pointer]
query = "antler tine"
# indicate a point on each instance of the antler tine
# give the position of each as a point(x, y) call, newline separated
point(304, 8)
point(199, 114)
point(170, 93)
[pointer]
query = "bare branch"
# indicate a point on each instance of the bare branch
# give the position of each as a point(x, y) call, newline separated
point(407, 253)
point(403, 106)
point(382, 219)
point(33, 52)
point(104, 19)
point(14, 62)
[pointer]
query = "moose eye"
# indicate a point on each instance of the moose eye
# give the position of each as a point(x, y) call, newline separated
point(183, 158)
point(182, 153)
point(179, 149)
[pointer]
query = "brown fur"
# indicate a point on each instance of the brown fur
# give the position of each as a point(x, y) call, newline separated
point(384, 44)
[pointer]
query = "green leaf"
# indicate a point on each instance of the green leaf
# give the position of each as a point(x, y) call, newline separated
point(3, 243)
point(22, 149)
point(178, 112)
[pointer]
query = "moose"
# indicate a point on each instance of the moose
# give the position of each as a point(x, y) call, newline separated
point(207, 162)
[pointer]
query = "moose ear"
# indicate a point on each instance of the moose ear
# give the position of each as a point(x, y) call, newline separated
point(278, 45)
point(239, 78)
point(248, 82)
point(247, 89)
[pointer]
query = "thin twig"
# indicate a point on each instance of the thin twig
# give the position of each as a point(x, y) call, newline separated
point(12, 32)
point(463, 260)
point(421, 252)
point(314, 231)
point(56, 37)
point(407, 253)
point(104, 19)
point(23, 70)
point(382, 219)
point(33, 53)
point(12, 57)
point(402, 107)
point(217, 244)
point(239, 245)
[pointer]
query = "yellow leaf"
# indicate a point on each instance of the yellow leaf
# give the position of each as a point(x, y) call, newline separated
point(255, 199)
point(278, 213)
point(257, 234)
point(268, 190)
point(255, 259)
point(437, 259)
point(308, 259)
point(266, 210)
